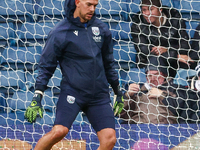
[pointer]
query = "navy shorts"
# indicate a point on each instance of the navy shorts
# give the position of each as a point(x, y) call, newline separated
point(68, 106)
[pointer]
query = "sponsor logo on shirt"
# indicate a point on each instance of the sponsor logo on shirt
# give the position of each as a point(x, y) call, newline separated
point(97, 38)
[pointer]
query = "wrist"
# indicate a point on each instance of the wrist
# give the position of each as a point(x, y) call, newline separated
point(119, 92)
point(115, 86)
point(37, 96)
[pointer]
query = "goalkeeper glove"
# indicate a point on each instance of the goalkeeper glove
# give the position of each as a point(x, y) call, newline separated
point(35, 107)
point(118, 103)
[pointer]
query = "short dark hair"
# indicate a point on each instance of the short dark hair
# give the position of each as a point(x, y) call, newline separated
point(151, 2)
point(158, 64)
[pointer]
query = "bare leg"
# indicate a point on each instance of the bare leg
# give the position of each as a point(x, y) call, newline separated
point(107, 139)
point(57, 133)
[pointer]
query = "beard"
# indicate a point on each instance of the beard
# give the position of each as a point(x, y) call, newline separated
point(85, 17)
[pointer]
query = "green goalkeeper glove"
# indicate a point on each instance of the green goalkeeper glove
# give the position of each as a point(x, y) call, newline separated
point(118, 103)
point(35, 107)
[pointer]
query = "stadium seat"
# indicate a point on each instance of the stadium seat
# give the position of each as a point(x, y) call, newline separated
point(124, 51)
point(122, 33)
point(16, 10)
point(11, 81)
point(17, 118)
point(125, 56)
point(168, 3)
point(111, 12)
point(11, 118)
point(189, 9)
point(182, 75)
point(3, 104)
point(26, 58)
point(133, 7)
point(30, 77)
point(51, 11)
point(191, 27)
point(122, 76)
point(7, 35)
point(36, 5)
point(135, 75)
point(54, 82)
point(34, 34)
point(19, 101)
point(22, 99)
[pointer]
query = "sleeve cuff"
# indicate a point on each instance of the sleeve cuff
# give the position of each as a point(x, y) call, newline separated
point(115, 86)
point(41, 88)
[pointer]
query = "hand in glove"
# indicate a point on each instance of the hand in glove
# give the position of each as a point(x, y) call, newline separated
point(34, 108)
point(118, 103)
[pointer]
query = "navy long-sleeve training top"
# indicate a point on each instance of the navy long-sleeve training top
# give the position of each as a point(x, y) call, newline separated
point(85, 56)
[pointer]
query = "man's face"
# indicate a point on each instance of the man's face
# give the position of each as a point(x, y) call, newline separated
point(155, 78)
point(151, 14)
point(86, 9)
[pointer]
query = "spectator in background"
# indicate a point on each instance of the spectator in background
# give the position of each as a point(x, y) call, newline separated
point(159, 100)
point(159, 31)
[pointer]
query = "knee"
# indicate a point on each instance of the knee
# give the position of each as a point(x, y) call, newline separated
point(59, 132)
point(112, 140)
point(107, 138)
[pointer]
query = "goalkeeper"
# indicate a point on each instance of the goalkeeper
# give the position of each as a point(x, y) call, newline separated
point(82, 45)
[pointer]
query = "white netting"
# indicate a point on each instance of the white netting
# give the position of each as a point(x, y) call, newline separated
point(24, 26)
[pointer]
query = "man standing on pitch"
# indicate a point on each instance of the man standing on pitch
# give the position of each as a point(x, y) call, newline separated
point(82, 45)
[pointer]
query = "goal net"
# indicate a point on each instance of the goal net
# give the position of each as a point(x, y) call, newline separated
point(24, 27)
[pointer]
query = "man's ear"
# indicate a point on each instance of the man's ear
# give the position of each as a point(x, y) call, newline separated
point(77, 2)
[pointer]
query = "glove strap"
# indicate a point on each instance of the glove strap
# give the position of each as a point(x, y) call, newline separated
point(38, 96)
point(39, 92)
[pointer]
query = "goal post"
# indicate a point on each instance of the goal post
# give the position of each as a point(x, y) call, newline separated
point(24, 27)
